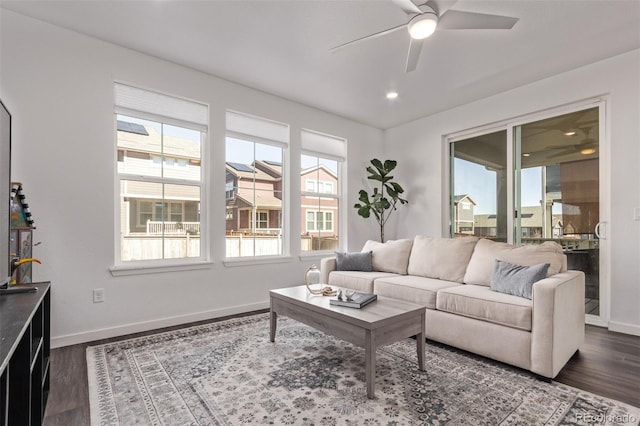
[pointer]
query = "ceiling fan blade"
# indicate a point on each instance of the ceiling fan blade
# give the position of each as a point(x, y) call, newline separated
point(457, 20)
point(370, 36)
point(415, 47)
point(407, 6)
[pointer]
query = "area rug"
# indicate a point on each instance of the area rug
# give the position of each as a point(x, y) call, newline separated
point(229, 373)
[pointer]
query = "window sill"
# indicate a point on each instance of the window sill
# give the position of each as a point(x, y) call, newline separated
point(318, 255)
point(249, 261)
point(138, 269)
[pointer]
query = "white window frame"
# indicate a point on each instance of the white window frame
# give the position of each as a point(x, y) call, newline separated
point(330, 148)
point(194, 117)
point(259, 130)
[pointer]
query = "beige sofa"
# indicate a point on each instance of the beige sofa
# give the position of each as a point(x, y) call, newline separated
point(452, 279)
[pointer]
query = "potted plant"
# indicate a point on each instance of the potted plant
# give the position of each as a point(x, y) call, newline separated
point(386, 195)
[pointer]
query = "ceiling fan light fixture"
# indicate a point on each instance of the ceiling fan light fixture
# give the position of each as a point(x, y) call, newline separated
point(422, 26)
point(570, 133)
point(588, 151)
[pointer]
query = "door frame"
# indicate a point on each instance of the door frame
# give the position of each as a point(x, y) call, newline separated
point(604, 137)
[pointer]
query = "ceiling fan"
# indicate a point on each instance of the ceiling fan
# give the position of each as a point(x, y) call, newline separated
point(587, 146)
point(425, 18)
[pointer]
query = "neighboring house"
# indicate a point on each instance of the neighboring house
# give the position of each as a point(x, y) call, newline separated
point(142, 152)
point(530, 223)
point(253, 198)
point(319, 214)
point(463, 217)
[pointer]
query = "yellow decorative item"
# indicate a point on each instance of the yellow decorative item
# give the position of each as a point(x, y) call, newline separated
point(312, 277)
point(15, 262)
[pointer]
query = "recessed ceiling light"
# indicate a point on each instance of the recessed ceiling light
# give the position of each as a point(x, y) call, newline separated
point(526, 154)
point(588, 151)
point(570, 133)
point(392, 95)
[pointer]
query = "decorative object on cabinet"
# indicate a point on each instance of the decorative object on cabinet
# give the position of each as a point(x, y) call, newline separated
point(22, 227)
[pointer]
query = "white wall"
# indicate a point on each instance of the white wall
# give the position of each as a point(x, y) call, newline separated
point(58, 86)
point(419, 149)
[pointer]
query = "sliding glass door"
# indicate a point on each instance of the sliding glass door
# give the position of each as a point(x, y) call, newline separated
point(558, 196)
point(533, 181)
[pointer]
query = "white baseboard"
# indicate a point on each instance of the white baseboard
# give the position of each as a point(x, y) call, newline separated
point(105, 333)
point(621, 327)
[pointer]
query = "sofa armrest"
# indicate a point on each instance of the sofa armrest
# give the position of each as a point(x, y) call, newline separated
point(327, 265)
point(558, 321)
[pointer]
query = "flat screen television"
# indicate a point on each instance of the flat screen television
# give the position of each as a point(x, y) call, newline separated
point(5, 194)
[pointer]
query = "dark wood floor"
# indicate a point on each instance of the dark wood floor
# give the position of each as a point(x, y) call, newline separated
point(608, 364)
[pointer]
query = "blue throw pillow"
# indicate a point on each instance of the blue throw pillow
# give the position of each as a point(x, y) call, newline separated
point(515, 279)
point(359, 261)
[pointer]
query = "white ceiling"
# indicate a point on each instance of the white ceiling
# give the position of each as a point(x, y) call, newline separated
point(282, 47)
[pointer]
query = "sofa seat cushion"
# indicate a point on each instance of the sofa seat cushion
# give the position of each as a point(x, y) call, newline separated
point(479, 302)
point(413, 289)
point(486, 252)
point(443, 258)
point(356, 280)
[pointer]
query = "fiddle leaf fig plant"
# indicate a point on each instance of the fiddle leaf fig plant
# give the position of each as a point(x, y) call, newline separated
point(385, 196)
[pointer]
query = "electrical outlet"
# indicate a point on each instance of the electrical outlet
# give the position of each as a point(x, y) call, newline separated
point(98, 295)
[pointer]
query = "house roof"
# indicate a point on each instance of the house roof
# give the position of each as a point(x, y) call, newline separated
point(314, 168)
point(262, 201)
point(273, 168)
point(246, 171)
point(458, 198)
point(131, 137)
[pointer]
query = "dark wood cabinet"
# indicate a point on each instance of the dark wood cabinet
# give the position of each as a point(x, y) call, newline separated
point(24, 353)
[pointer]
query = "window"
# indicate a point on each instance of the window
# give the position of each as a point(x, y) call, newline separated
point(228, 188)
point(158, 211)
point(254, 186)
point(319, 186)
point(262, 219)
point(319, 221)
point(159, 150)
point(320, 162)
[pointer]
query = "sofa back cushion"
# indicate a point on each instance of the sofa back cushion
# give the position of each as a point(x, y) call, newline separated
point(442, 258)
point(359, 261)
point(486, 252)
point(392, 256)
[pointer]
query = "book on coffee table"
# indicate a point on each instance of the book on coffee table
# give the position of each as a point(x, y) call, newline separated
point(358, 300)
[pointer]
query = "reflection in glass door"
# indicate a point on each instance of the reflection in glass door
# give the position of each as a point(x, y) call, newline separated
point(557, 191)
point(479, 186)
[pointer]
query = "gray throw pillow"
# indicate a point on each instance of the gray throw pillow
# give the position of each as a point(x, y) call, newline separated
point(515, 279)
point(358, 261)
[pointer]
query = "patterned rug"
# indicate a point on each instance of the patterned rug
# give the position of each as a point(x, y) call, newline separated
point(228, 373)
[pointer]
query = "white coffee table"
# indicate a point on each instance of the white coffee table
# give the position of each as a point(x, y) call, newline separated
point(380, 323)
